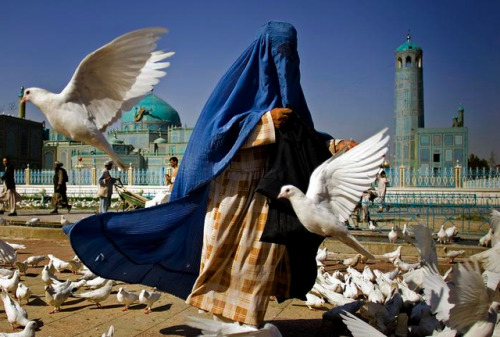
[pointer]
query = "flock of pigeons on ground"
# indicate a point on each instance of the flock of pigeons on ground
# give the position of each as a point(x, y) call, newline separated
point(15, 294)
point(414, 299)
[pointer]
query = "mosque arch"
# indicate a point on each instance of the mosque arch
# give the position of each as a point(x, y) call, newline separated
point(408, 61)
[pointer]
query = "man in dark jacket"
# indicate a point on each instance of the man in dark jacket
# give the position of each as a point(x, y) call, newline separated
point(9, 194)
point(60, 179)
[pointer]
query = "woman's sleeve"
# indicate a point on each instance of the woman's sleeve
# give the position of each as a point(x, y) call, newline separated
point(263, 133)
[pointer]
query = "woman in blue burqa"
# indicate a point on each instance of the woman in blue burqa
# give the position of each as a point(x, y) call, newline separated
point(209, 245)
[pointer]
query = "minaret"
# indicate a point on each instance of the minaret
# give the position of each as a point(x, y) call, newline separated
point(408, 102)
point(21, 112)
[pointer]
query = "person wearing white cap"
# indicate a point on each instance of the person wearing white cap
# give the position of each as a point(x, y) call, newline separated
point(106, 182)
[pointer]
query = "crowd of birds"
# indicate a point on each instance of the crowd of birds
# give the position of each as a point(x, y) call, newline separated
point(16, 295)
point(414, 299)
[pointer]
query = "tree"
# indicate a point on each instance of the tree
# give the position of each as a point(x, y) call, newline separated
point(475, 162)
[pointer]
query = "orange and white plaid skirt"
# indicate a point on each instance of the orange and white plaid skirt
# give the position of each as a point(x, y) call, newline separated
point(239, 273)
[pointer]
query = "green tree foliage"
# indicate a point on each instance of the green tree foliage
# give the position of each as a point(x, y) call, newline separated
point(474, 162)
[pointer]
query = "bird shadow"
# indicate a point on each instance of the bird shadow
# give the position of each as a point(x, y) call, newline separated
point(310, 327)
point(36, 301)
point(180, 330)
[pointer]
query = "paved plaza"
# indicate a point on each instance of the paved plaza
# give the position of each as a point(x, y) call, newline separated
point(81, 318)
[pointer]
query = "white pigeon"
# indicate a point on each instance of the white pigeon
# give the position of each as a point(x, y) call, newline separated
point(64, 221)
point(16, 246)
point(485, 240)
point(335, 188)
point(97, 282)
point(495, 225)
point(33, 261)
point(10, 283)
point(314, 302)
point(98, 295)
point(451, 232)
point(111, 79)
point(441, 235)
point(436, 293)
point(452, 254)
point(474, 312)
point(75, 264)
point(149, 298)
point(489, 259)
point(358, 327)
point(16, 315)
point(23, 292)
point(126, 297)
point(394, 255)
point(29, 331)
point(33, 221)
point(210, 327)
point(425, 245)
point(110, 333)
point(56, 296)
point(321, 256)
point(393, 235)
point(59, 264)
point(352, 261)
point(8, 255)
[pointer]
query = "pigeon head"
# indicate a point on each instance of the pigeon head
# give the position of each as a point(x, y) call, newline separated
point(288, 191)
point(37, 96)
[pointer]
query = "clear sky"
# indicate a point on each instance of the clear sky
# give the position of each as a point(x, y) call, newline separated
point(346, 50)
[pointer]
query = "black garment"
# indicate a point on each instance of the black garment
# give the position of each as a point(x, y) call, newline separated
point(60, 179)
point(297, 152)
point(8, 177)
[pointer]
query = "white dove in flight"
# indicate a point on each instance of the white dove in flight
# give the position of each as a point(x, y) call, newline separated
point(335, 188)
point(111, 79)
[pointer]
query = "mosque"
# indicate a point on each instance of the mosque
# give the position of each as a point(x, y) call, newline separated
point(149, 134)
point(415, 146)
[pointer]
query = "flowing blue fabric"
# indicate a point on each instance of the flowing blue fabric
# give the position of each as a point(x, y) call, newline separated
point(161, 246)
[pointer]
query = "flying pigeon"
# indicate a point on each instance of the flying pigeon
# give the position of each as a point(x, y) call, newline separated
point(335, 188)
point(111, 79)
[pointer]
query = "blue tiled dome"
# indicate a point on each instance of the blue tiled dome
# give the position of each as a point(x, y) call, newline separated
point(152, 110)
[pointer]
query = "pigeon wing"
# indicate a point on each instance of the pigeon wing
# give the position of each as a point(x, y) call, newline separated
point(469, 296)
point(425, 245)
point(437, 294)
point(358, 327)
point(117, 75)
point(339, 182)
point(495, 225)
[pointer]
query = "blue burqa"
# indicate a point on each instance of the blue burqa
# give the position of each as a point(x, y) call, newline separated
point(161, 246)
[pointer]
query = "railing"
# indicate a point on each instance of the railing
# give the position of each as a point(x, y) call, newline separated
point(448, 177)
point(468, 211)
point(398, 177)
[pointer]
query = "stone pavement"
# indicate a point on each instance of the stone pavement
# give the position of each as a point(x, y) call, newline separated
point(81, 318)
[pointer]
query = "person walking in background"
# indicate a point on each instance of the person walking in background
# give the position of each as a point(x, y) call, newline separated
point(382, 183)
point(60, 179)
point(174, 164)
point(106, 182)
point(9, 195)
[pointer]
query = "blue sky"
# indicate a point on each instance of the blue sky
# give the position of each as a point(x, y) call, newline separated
point(346, 49)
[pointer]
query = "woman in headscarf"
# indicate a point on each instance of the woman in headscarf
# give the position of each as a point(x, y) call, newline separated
point(205, 244)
